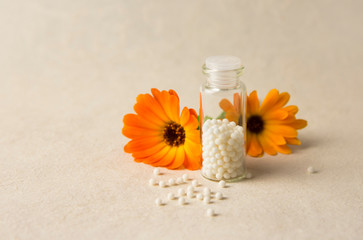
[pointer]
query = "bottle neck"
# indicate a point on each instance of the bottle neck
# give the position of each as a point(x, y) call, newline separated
point(222, 79)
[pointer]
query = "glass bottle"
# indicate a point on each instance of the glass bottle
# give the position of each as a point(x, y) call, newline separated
point(222, 119)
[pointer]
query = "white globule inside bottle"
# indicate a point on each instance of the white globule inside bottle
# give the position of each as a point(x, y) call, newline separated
point(222, 118)
point(222, 149)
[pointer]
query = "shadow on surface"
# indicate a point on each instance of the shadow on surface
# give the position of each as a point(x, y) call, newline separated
point(283, 165)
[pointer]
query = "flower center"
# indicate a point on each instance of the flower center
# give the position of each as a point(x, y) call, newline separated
point(174, 134)
point(255, 124)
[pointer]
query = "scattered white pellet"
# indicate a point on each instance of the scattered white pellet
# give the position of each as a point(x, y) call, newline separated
point(171, 196)
point(179, 180)
point(162, 184)
point(190, 194)
point(200, 196)
point(158, 202)
point(222, 183)
point(219, 195)
point(206, 191)
point(185, 177)
point(311, 170)
point(152, 181)
point(210, 212)
point(190, 189)
point(206, 200)
point(156, 171)
point(171, 182)
point(195, 183)
point(181, 201)
point(181, 192)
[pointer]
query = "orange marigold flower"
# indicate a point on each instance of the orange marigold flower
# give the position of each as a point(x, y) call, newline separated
point(271, 126)
point(159, 136)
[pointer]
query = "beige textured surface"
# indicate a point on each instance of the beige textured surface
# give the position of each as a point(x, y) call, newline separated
point(69, 71)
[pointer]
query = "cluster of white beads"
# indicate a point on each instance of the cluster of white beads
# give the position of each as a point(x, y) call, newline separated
point(185, 196)
point(223, 149)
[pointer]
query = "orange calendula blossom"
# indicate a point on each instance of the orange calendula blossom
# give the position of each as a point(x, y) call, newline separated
point(270, 126)
point(159, 136)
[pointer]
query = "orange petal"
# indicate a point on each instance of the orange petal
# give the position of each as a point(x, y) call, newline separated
point(299, 124)
point(140, 144)
point(254, 148)
point(283, 149)
point(232, 116)
point(156, 156)
point(174, 108)
point(226, 105)
point(144, 153)
point(179, 158)
point(276, 114)
point(193, 135)
point(135, 121)
point(282, 101)
point(252, 103)
point(185, 115)
point(133, 132)
point(193, 155)
point(283, 130)
point(291, 109)
point(293, 141)
point(192, 163)
point(147, 108)
point(172, 92)
point(193, 112)
point(266, 145)
point(275, 138)
point(192, 124)
point(167, 159)
point(237, 102)
point(169, 103)
point(269, 101)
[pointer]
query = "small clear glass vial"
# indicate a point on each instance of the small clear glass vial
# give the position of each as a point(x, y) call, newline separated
point(222, 119)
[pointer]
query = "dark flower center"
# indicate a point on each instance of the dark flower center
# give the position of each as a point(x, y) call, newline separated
point(174, 134)
point(255, 124)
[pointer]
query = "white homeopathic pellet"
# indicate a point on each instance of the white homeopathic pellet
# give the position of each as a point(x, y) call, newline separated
point(210, 212)
point(190, 189)
point(200, 196)
point(190, 194)
point(162, 184)
point(223, 150)
point(152, 181)
point(171, 182)
point(185, 177)
point(181, 192)
point(206, 191)
point(158, 202)
point(195, 183)
point(219, 195)
point(171, 196)
point(222, 183)
point(311, 170)
point(156, 171)
point(181, 201)
point(206, 199)
point(179, 180)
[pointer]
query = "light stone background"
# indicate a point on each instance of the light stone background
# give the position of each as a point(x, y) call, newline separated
point(70, 70)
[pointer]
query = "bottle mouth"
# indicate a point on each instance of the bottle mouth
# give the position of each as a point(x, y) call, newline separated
point(222, 79)
point(237, 71)
point(222, 71)
point(223, 62)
